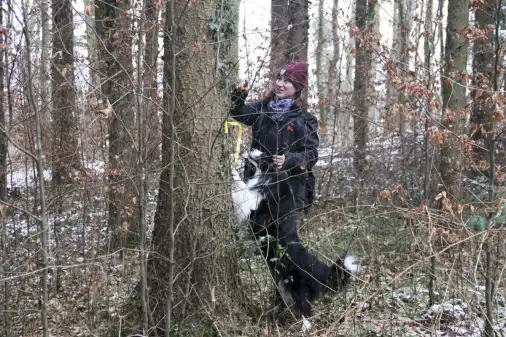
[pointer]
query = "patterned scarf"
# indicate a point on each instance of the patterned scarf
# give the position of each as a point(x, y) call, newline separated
point(280, 106)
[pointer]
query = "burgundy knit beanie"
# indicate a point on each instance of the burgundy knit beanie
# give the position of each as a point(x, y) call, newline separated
point(297, 74)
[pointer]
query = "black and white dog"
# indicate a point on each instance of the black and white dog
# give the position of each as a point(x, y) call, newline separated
point(266, 203)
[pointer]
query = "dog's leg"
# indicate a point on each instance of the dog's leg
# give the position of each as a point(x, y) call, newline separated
point(303, 306)
point(306, 324)
point(285, 295)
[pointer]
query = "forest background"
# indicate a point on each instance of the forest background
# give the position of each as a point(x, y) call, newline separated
point(115, 213)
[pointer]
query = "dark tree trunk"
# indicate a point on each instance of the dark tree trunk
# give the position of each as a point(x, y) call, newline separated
point(279, 34)
point(114, 28)
point(298, 14)
point(64, 129)
point(362, 83)
point(483, 81)
point(152, 125)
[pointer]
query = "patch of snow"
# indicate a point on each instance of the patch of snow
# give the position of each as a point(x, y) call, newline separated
point(20, 178)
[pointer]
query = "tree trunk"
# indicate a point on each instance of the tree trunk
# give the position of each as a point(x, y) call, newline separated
point(454, 94)
point(298, 14)
point(289, 33)
point(482, 118)
point(398, 68)
point(44, 57)
point(279, 34)
point(114, 28)
point(3, 124)
point(362, 83)
point(429, 53)
point(334, 74)
point(483, 81)
point(64, 125)
point(405, 18)
point(193, 266)
point(42, 88)
point(152, 129)
point(91, 43)
point(320, 78)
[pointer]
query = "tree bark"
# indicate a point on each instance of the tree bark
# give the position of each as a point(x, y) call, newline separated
point(405, 14)
point(62, 70)
point(322, 100)
point(114, 27)
point(454, 94)
point(152, 129)
point(364, 12)
point(484, 83)
point(483, 80)
point(44, 56)
point(298, 13)
point(398, 67)
point(193, 264)
point(3, 124)
point(91, 43)
point(279, 34)
point(334, 75)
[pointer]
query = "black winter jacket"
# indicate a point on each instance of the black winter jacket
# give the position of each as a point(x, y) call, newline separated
point(295, 135)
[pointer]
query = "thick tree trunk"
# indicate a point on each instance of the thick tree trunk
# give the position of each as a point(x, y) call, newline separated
point(62, 70)
point(114, 28)
point(298, 14)
point(362, 82)
point(454, 94)
point(193, 266)
point(279, 34)
point(152, 129)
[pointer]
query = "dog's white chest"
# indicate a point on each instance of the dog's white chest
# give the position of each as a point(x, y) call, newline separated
point(244, 196)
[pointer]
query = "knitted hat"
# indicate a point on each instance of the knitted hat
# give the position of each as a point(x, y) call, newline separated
point(296, 73)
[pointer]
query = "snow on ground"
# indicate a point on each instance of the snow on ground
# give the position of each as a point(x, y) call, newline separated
point(82, 222)
point(23, 178)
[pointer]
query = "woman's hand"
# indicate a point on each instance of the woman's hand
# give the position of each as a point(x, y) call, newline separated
point(278, 160)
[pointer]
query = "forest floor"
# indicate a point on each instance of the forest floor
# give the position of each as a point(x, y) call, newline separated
point(90, 286)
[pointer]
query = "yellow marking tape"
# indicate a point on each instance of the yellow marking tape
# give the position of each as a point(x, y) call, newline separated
point(239, 138)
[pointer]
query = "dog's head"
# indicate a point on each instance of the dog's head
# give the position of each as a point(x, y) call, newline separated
point(343, 270)
point(255, 154)
point(256, 157)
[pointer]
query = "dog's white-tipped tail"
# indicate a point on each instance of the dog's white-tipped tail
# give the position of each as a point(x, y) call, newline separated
point(351, 264)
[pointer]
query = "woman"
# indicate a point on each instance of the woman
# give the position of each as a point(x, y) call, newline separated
point(284, 129)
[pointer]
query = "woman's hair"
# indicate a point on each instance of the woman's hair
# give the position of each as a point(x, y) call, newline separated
point(299, 98)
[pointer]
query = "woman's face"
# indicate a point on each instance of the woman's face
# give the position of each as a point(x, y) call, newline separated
point(284, 88)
